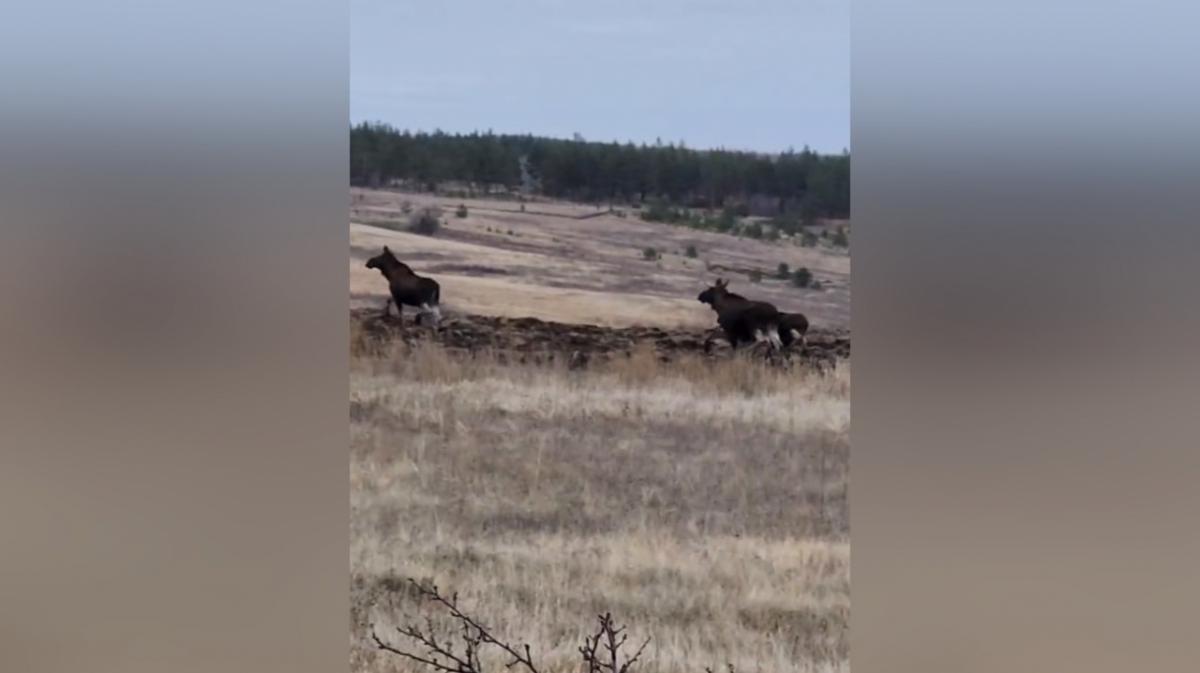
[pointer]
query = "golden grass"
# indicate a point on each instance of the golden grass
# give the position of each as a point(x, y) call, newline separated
point(703, 503)
point(590, 271)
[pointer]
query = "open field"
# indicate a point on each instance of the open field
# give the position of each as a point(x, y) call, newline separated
point(703, 502)
point(699, 496)
point(554, 267)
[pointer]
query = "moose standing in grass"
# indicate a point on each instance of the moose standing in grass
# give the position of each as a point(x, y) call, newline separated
point(407, 287)
point(746, 322)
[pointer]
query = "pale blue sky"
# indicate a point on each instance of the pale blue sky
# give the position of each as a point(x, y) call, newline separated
point(745, 74)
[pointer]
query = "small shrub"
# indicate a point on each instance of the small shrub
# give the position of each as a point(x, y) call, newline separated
point(406, 207)
point(816, 285)
point(786, 224)
point(756, 276)
point(808, 239)
point(650, 253)
point(784, 271)
point(692, 252)
point(659, 211)
point(510, 232)
point(425, 222)
point(802, 277)
point(840, 238)
point(753, 230)
point(462, 211)
point(726, 221)
point(522, 207)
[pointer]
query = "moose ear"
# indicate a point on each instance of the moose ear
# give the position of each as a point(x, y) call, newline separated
point(386, 251)
point(721, 282)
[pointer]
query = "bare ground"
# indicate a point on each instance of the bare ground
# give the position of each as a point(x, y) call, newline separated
point(534, 340)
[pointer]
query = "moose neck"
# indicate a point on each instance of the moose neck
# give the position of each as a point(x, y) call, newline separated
point(721, 300)
point(394, 268)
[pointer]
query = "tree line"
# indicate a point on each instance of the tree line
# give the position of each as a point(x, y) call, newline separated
point(804, 184)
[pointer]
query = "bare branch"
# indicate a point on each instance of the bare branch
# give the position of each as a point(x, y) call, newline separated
point(442, 656)
point(409, 655)
point(602, 652)
point(485, 635)
point(613, 638)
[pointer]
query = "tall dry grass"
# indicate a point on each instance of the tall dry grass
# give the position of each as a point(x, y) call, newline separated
point(703, 503)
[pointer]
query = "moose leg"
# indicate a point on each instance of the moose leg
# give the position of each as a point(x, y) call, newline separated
point(431, 312)
point(387, 308)
point(734, 340)
point(769, 334)
point(773, 337)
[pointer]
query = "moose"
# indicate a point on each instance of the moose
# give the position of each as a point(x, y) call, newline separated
point(745, 321)
point(407, 287)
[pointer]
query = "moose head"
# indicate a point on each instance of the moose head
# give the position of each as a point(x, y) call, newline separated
point(713, 294)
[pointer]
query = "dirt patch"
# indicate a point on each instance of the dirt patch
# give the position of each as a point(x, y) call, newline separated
point(532, 339)
point(504, 241)
point(468, 270)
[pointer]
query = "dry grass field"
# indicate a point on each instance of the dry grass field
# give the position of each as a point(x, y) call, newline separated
point(583, 271)
point(702, 501)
